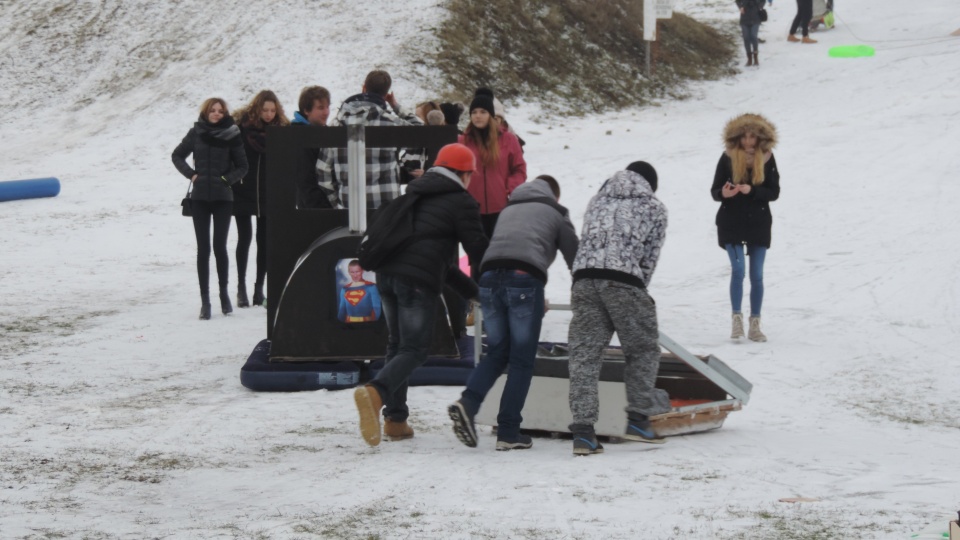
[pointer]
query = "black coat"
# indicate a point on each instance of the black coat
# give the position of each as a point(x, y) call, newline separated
point(218, 157)
point(745, 219)
point(448, 215)
point(751, 11)
point(250, 193)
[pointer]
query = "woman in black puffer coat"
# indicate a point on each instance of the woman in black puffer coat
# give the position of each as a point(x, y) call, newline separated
point(745, 183)
point(219, 162)
point(250, 194)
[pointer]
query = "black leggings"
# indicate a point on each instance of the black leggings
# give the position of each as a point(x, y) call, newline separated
point(220, 212)
point(802, 20)
point(244, 239)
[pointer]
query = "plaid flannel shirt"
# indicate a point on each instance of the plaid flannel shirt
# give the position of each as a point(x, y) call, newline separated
point(383, 170)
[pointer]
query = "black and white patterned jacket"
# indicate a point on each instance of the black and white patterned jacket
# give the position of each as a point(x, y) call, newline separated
point(383, 171)
point(623, 231)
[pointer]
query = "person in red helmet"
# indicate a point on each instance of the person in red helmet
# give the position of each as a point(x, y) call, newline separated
point(410, 282)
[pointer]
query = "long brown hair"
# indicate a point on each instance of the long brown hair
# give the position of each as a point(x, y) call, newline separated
point(250, 113)
point(487, 140)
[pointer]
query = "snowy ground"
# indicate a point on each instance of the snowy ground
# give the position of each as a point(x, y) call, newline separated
point(122, 416)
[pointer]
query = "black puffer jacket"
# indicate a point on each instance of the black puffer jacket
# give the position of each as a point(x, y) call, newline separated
point(745, 218)
point(218, 157)
point(250, 193)
point(448, 215)
point(751, 11)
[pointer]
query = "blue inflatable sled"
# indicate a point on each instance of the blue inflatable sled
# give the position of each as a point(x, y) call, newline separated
point(29, 189)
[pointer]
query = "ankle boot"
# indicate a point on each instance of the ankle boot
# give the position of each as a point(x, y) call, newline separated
point(204, 306)
point(225, 305)
point(808, 40)
point(756, 61)
point(397, 431)
point(749, 59)
point(242, 300)
point(754, 333)
point(737, 331)
point(258, 297)
point(793, 38)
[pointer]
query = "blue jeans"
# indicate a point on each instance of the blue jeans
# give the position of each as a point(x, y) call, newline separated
point(757, 255)
point(512, 304)
point(751, 36)
point(410, 311)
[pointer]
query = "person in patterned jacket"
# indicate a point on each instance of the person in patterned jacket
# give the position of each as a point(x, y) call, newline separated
point(383, 170)
point(623, 231)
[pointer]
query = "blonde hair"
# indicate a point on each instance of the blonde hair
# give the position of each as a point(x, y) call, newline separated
point(487, 141)
point(740, 163)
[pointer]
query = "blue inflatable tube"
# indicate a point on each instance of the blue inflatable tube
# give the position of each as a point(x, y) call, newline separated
point(29, 189)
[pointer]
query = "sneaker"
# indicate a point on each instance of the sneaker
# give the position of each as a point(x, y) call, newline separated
point(585, 444)
point(737, 331)
point(755, 333)
point(520, 442)
point(463, 426)
point(369, 404)
point(397, 431)
point(642, 431)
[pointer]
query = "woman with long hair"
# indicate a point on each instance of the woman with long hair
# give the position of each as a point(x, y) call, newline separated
point(218, 163)
point(500, 164)
point(745, 183)
point(249, 195)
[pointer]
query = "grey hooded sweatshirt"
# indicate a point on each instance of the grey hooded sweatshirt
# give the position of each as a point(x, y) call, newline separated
point(529, 231)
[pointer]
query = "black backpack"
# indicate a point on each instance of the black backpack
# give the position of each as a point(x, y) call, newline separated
point(390, 231)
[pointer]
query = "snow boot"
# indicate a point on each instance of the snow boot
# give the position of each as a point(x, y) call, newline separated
point(749, 59)
point(755, 334)
point(397, 431)
point(242, 300)
point(463, 426)
point(737, 331)
point(225, 305)
point(756, 61)
point(793, 38)
point(519, 442)
point(204, 306)
point(369, 403)
point(258, 297)
point(808, 40)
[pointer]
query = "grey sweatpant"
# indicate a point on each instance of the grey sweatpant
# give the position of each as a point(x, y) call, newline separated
point(601, 307)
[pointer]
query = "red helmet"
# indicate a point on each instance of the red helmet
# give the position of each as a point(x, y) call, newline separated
point(456, 157)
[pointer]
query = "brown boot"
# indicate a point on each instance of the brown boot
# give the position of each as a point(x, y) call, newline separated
point(756, 61)
point(369, 404)
point(397, 431)
point(808, 40)
point(749, 59)
point(793, 38)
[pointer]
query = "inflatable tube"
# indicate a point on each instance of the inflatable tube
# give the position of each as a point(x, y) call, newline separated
point(851, 51)
point(29, 189)
point(261, 375)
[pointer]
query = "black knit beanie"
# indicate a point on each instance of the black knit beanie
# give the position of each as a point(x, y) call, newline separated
point(645, 170)
point(483, 99)
point(451, 112)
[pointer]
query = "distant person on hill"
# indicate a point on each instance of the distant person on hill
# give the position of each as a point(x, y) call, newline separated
point(383, 170)
point(513, 274)
point(745, 183)
point(750, 28)
point(314, 109)
point(218, 162)
point(250, 194)
point(624, 228)
point(802, 22)
point(500, 164)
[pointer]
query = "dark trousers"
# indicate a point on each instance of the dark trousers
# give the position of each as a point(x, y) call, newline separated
point(219, 212)
point(410, 310)
point(244, 239)
point(489, 222)
point(802, 20)
point(513, 314)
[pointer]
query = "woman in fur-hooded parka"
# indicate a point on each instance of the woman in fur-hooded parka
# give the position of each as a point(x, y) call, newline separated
point(745, 183)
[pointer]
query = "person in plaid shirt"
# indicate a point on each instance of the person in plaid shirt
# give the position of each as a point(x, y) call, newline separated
point(383, 171)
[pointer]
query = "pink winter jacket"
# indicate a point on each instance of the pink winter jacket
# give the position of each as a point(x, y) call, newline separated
point(491, 185)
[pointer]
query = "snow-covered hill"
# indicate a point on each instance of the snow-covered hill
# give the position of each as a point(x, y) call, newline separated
point(122, 416)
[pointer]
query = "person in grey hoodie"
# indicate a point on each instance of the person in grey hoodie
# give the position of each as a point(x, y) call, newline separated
point(530, 230)
point(623, 231)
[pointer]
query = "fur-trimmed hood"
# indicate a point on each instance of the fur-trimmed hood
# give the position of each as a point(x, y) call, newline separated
point(764, 130)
